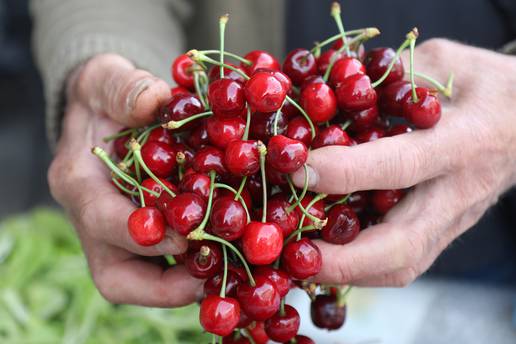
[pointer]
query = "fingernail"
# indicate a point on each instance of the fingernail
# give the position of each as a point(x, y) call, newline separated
point(138, 89)
point(299, 177)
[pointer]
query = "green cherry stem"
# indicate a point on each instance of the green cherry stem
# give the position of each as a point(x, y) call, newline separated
point(340, 201)
point(199, 90)
point(447, 90)
point(247, 124)
point(235, 56)
point(196, 55)
point(138, 171)
point(305, 115)
point(206, 218)
point(248, 336)
point(180, 159)
point(298, 232)
point(342, 294)
point(303, 193)
point(263, 152)
point(240, 198)
point(319, 223)
point(282, 307)
point(179, 124)
point(276, 119)
point(225, 275)
point(123, 188)
point(241, 187)
point(412, 75)
point(336, 14)
point(338, 36)
point(346, 124)
point(223, 20)
point(118, 135)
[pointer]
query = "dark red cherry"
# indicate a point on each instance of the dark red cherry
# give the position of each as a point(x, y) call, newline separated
point(343, 225)
point(209, 159)
point(391, 98)
point(279, 277)
point(242, 158)
point(299, 64)
point(363, 120)
point(187, 151)
point(179, 90)
point(277, 212)
point(151, 184)
point(301, 259)
point(221, 131)
point(317, 210)
point(254, 185)
point(285, 154)
point(299, 129)
point(326, 57)
point(146, 226)
point(244, 320)
point(180, 107)
point(370, 135)
point(160, 158)
point(355, 93)
point(358, 201)
point(213, 285)
point(184, 212)
point(259, 59)
point(265, 92)
point(262, 242)
point(182, 71)
point(235, 338)
point(368, 219)
point(326, 314)
point(344, 68)
point(219, 315)
point(275, 177)
point(282, 328)
point(377, 61)
point(228, 218)
point(303, 340)
point(205, 260)
point(162, 135)
point(261, 301)
point(214, 73)
point(257, 331)
point(262, 125)
point(314, 79)
point(399, 129)
point(426, 112)
point(331, 136)
point(384, 200)
point(199, 137)
point(197, 183)
point(120, 145)
point(319, 102)
point(226, 97)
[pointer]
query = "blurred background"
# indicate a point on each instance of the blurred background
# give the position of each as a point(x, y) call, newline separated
point(469, 295)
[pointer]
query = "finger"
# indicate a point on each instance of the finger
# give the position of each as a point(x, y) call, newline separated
point(110, 84)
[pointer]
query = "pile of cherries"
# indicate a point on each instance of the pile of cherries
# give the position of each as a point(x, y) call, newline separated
point(216, 166)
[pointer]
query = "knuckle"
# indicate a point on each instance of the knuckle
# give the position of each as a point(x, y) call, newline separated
point(405, 278)
point(435, 46)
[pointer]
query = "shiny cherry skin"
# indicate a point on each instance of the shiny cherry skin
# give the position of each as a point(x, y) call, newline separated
point(358, 201)
point(179, 90)
point(317, 210)
point(343, 225)
point(120, 145)
point(370, 135)
point(266, 91)
point(275, 177)
point(314, 79)
point(209, 159)
point(326, 314)
point(319, 102)
point(184, 212)
point(303, 340)
point(199, 136)
point(219, 315)
point(262, 242)
point(160, 158)
point(228, 218)
point(182, 71)
point(391, 98)
point(213, 285)
point(279, 277)
point(146, 226)
point(301, 259)
point(344, 68)
point(355, 93)
point(383, 200)
point(204, 261)
point(356, 52)
point(363, 120)
point(299, 129)
point(282, 328)
point(151, 184)
point(181, 106)
point(262, 125)
point(160, 134)
point(257, 331)
point(299, 64)
point(261, 301)
point(285, 154)
point(259, 59)
point(221, 131)
point(277, 212)
point(242, 158)
point(226, 97)
point(324, 60)
point(197, 183)
point(426, 112)
point(399, 129)
point(331, 136)
point(214, 73)
point(377, 61)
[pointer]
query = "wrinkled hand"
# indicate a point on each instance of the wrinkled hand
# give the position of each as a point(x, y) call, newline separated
point(105, 94)
point(460, 167)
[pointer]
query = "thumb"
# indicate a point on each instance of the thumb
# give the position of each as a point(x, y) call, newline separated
point(110, 85)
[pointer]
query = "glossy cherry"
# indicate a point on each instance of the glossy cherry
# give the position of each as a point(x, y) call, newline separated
point(358, 201)
point(383, 200)
point(399, 129)
point(214, 73)
point(257, 331)
point(228, 218)
point(317, 210)
point(221, 131)
point(262, 125)
point(226, 97)
point(274, 176)
point(285, 154)
point(326, 314)
point(282, 328)
point(259, 59)
point(160, 158)
point(377, 61)
point(319, 102)
point(369, 135)
point(262, 242)
point(161, 134)
point(343, 225)
point(301, 259)
point(242, 157)
point(299, 129)
point(299, 64)
point(344, 68)
point(151, 184)
point(209, 159)
point(213, 284)
point(219, 315)
point(179, 90)
point(391, 98)
point(182, 71)
point(261, 301)
point(324, 60)
point(204, 260)
point(146, 226)
point(279, 277)
point(181, 106)
point(199, 136)
point(184, 212)
point(426, 112)
point(277, 212)
point(303, 340)
point(197, 183)
point(331, 136)
point(363, 120)
point(355, 93)
point(266, 91)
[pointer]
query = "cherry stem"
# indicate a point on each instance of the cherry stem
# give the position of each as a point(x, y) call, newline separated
point(142, 139)
point(305, 115)
point(303, 193)
point(276, 118)
point(198, 56)
point(346, 124)
point(225, 275)
point(199, 91)
point(319, 223)
point(222, 28)
point(282, 307)
point(204, 222)
point(118, 135)
point(297, 232)
point(340, 201)
point(412, 76)
point(335, 13)
point(263, 152)
point(136, 148)
point(179, 124)
point(248, 336)
point(333, 38)
point(180, 159)
point(123, 188)
point(410, 36)
point(240, 198)
point(235, 56)
point(241, 187)
point(247, 124)
point(342, 294)
point(447, 90)
point(137, 171)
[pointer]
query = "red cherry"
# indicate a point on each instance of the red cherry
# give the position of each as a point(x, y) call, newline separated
point(317, 210)
point(209, 159)
point(370, 135)
point(236, 339)
point(228, 218)
point(303, 340)
point(219, 315)
point(262, 125)
point(384, 200)
point(120, 145)
point(160, 158)
point(162, 135)
point(355, 93)
point(286, 155)
point(391, 97)
point(180, 107)
point(261, 301)
point(275, 177)
point(399, 129)
point(179, 90)
point(319, 102)
point(326, 314)
point(259, 59)
point(199, 137)
point(213, 285)
point(426, 112)
point(324, 60)
point(377, 61)
point(221, 131)
point(184, 212)
point(226, 97)
point(299, 64)
point(242, 158)
point(254, 185)
point(367, 220)
point(277, 212)
point(214, 73)
point(187, 151)
point(331, 136)
point(343, 225)
point(204, 261)
point(262, 242)
point(146, 226)
point(151, 184)
point(314, 79)
point(301, 259)
point(278, 277)
point(282, 328)
point(299, 129)
point(288, 109)
point(344, 68)
point(257, 331)
point(182, 71)
point(363, 120)
point(197, 183)
point(358, 201)
point(266, 91)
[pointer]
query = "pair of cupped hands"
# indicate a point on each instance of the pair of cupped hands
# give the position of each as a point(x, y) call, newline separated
point(456, 170)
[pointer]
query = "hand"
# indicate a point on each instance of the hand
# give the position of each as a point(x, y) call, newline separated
point(103, 95)
point(460, 167)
